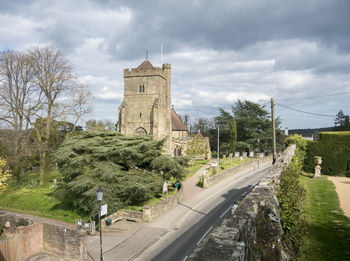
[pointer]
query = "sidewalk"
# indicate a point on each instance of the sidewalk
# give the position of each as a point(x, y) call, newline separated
point(141, 235)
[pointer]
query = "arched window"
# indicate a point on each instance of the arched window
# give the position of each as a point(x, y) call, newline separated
point(140, 131)
point(140, 114)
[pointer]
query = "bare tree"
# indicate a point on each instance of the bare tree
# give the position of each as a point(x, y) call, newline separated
point(17, 99)
point(53, 79)
point(38, 88)
point(79, 104)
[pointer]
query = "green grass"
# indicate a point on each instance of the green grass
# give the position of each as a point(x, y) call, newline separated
point(226, 163)
point(328, 235)
point(196, 166)
point(36, 200)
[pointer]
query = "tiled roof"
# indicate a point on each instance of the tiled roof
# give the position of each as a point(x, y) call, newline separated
point(176, 122)
point(145, 65)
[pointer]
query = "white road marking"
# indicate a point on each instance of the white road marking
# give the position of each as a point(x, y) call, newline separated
point(204, 235)
point(225, 211)
point(185, 258)
point(244, 193)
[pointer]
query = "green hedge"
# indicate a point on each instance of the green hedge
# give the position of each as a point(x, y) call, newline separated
point(334, 148)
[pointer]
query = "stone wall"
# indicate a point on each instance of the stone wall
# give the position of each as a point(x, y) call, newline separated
point(253, 231)
point(248, 166)
point(64, 242)
point(37, 237)
point(151, 213)
point(29, 240)
point(122, 214)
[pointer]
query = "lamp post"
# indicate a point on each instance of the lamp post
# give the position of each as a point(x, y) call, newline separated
point(99, 196)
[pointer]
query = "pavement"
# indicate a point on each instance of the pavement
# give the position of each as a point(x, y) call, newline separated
point(138, 235)
point(134, 239)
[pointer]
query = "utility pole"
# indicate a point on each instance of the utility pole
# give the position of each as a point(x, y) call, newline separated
point(218, 142)
point(273, 131)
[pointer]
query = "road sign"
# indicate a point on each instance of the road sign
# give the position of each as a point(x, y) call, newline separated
point(103, 210)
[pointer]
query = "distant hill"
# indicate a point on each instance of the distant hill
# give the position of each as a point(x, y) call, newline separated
point(310, 132)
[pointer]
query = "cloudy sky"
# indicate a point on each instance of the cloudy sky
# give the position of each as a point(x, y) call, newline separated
point(297, 52)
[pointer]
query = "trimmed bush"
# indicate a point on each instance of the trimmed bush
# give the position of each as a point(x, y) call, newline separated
point(334, 148)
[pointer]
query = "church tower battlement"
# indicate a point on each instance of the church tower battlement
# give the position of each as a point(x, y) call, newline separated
point(146, 106)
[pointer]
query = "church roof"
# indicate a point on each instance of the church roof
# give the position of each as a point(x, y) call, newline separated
point(145, 65)
point(199, 135)
point(176, 122)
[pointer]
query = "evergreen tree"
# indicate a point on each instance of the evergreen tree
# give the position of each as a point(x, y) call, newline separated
point(233, 138)
point(342, 121)
point(130, 169)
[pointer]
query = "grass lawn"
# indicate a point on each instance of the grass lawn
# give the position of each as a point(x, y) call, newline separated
point(328, 235)
point(36, 200)
point(196, 166)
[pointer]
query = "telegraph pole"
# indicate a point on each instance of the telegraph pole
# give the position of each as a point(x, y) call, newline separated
point(218, 143)
point(273, 131)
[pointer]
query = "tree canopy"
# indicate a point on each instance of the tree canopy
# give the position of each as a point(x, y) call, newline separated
point(342, 121)
point(253, 127)
point(130, 169)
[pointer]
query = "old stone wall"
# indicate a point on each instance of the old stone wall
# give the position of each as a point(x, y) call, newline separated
point(248, 166)
point(36, 237)
point(122, 214)
point(29, 240)
point(253, 231)
point(151, 213)
point(65, 242)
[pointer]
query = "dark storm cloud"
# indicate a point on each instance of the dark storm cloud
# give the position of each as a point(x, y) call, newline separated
point(232, 24)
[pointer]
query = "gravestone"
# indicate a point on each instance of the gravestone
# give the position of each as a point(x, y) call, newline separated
point(244, 154)
point(236, 154)
point(251, 154)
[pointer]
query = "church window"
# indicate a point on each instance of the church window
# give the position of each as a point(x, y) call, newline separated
point(140, 114)
point(141, 88)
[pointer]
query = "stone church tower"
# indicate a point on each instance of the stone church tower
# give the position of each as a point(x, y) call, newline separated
point(146, 107)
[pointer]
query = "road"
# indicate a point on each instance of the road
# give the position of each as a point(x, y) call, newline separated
point(203, 214)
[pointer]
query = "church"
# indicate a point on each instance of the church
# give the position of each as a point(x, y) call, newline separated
point(146, 109)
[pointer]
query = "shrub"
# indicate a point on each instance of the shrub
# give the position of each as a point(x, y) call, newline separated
point(290, 196)
point(334, 148)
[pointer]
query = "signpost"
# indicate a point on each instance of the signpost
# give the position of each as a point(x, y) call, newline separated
point(103, 210)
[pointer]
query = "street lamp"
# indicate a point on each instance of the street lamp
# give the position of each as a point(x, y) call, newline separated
point(99, 196)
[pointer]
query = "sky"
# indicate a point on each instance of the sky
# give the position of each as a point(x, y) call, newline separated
point(297, 52)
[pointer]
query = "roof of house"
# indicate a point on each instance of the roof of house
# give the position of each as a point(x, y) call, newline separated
point(145, 65)
point(176, 122)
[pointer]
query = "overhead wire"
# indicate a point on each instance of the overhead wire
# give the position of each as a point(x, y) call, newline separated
point(306, 112)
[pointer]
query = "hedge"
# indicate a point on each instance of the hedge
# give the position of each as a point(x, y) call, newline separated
point(334, 148)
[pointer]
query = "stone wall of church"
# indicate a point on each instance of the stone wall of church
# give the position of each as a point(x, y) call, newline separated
point(146, 107)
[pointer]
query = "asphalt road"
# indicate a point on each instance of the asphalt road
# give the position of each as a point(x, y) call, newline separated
point(177, 246)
